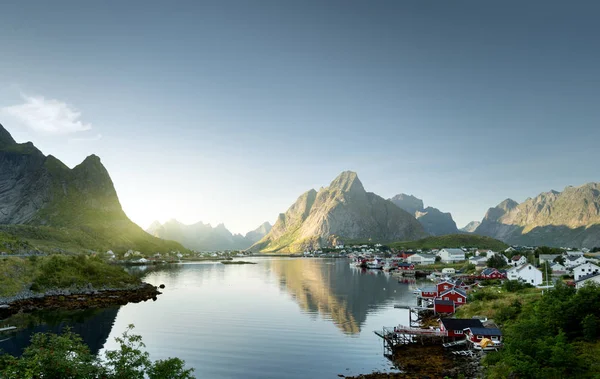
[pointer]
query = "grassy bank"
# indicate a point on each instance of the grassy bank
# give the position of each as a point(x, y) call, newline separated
point(40, 274)
point(451, 241)
point(498, 303)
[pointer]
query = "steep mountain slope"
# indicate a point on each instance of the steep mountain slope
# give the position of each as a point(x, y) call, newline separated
point(470, 227)
point(568, 218)
point(342, 211)
point(434, 221)
point(203, 237)
point(55, 202)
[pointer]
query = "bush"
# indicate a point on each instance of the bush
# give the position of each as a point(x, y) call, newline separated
point(515, 286)
point(67, 357)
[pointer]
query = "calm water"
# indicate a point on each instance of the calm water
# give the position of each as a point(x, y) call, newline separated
point(294, 318)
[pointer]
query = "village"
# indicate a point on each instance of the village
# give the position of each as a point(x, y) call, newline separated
point(458, 275)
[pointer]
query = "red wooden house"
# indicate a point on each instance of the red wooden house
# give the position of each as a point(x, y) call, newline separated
point(455, 327)
point(406, 266)
point(443, 306)
point(458, 296)
point(492, 273)
point(444, 286)
point(429, 292)
point(475, 335)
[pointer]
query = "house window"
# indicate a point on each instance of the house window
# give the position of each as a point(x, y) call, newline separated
point(446, 298)
point(530, 267)
point(532, 281)
point(460, 300)
point(479, 337)
point(458, 332)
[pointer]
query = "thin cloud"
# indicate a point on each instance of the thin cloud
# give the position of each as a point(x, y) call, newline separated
point(48, 116)
point(86, 139)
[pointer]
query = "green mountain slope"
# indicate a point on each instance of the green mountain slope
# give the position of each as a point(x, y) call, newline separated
point(51, 205)
point(342, 211)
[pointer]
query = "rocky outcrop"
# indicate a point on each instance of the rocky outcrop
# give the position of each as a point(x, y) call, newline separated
point(39, 190)
point(343, 210)
point(204, 237)
point(434, 221)
point(567, 218)
point(470, 227)
point(76, 299)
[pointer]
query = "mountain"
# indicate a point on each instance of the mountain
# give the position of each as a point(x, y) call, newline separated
point(433, 220)
point(203, 237)
point(470, 227)
point(43, 200)
point(343, 211)
point(258, 233)
point(567, 218)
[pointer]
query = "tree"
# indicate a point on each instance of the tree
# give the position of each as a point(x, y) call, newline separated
point(560, 259)
point(438, 258)
point(546, 271)
point(496, 261)
point(66, 356)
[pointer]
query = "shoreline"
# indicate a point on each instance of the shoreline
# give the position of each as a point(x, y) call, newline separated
point(76, 299)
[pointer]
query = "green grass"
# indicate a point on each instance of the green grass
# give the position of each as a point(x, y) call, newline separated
point(451, 241)
point(495, 300)
point(59, 272)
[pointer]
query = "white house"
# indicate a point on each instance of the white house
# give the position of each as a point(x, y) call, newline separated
point(478, 261)
point(557, 268)
point(548, 257)
point(451, 255)
point(584, 270)
point(575, 253)
point(518, 260)
point(593, 278)
point(421, 259)
point(526, 273)
point(510, 249)
point(572, 261)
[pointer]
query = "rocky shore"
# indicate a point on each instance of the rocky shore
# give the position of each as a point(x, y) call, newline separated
point(89, 297)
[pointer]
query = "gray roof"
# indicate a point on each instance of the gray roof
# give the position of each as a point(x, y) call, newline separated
point(454, 251)
point(588, 276)
point(458, 290)
point(549, 257)
point(486, 331)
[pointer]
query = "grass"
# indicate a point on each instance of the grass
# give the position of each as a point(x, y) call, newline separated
point(494, 302)
point(59, 272)
point(451, 241)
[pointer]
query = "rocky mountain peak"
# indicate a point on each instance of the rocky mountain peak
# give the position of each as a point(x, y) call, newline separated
point(347, 181)
point(409, 203)
point(5, 138)
point(507, 205)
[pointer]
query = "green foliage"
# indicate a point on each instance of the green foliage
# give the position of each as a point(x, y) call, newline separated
point(496, 261)
point(451, 241)
point(66, 356)
point(548, 338)
point(548, 250)
point(515, 286)
point(59, 272)
point(560, 259)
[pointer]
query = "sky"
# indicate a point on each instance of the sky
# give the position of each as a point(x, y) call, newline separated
point(227, 111)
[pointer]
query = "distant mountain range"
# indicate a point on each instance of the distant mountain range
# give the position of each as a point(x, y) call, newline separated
point(43, 200)
point(434, 221)
point(203, 237)
point(470, 227)
point(342, 212)
point(567, 218)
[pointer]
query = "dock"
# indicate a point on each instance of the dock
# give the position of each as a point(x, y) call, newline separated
point(7, 328)
point(394, 337)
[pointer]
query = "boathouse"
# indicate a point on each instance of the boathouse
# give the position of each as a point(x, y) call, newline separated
point(406, 266)
point(492, 273)
point(443, 306)
point(455, 327)
point(429, 292)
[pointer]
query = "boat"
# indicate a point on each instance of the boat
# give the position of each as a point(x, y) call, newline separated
point(375, 265)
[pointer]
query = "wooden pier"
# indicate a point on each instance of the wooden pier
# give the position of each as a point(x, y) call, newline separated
point(394, 337)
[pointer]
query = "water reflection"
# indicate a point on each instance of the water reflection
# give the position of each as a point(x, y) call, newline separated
point(93, 325)
point(335, 290)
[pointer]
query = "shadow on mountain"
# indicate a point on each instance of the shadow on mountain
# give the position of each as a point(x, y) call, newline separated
point(93, 325)
point(333, 290)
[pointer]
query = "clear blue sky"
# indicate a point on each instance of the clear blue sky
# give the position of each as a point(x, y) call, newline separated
point(226, 111)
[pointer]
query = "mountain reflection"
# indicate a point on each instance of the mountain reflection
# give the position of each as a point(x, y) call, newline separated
point(333, 289)
point(93, 325)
